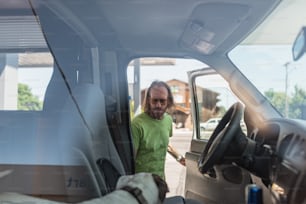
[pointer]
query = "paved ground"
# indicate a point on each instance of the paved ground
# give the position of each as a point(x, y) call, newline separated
point(175, 172)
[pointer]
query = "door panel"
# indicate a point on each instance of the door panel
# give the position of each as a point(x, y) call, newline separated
point(211, 97)
point(223, 184)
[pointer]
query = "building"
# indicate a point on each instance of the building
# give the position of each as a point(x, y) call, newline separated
point(181, 113)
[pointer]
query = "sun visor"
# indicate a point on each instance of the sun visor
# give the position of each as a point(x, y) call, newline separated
point(210, 24)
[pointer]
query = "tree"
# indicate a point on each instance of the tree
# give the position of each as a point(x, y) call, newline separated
point(278, 100)
point(297, 106)
point(26, 100)
point(297, 102)
point(132, 108)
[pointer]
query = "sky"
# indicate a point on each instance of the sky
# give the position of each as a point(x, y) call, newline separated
point(265, 67)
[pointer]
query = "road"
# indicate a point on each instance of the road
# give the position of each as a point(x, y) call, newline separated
point(175, 172)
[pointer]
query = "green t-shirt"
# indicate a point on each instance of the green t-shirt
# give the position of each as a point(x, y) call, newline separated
point(151, 138)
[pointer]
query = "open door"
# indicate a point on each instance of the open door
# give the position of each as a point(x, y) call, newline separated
point(211, 97)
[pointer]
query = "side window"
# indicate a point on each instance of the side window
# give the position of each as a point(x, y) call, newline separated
point(26, 64)
point(213, 98)
point(33, 80)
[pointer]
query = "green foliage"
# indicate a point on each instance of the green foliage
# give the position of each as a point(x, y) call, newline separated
point(296, 102)
point(26, 100)
point(278, 100)
point(132, 109)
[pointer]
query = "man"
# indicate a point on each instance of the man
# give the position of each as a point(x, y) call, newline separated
point(151, 131)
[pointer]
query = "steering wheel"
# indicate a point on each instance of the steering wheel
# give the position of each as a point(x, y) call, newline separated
point(218, 143)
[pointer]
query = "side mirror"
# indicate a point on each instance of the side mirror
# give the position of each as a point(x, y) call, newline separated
point(299, 45)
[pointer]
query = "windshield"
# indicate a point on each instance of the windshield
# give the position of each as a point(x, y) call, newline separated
point(265, 58)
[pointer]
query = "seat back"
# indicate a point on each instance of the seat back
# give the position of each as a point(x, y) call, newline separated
point(57, 154)
point(85, 124)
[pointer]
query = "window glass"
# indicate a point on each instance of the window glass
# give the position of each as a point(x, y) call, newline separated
point(213, 98)
point(26, 66)
point(277, 77)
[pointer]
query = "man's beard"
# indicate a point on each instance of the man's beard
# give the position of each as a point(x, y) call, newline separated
point(157, 113)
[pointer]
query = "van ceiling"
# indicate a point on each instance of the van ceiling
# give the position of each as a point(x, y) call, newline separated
point(170, 19)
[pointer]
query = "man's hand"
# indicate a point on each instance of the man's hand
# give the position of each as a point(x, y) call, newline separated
point(180, 158)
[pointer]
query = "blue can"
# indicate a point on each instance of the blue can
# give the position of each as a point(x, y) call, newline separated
point(253, 194)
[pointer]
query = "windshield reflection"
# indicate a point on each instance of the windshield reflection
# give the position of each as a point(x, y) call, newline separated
point(277, 77)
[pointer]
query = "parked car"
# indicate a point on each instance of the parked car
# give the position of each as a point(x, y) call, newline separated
point(65, 99)
point(208, 127)
point(210, 124)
